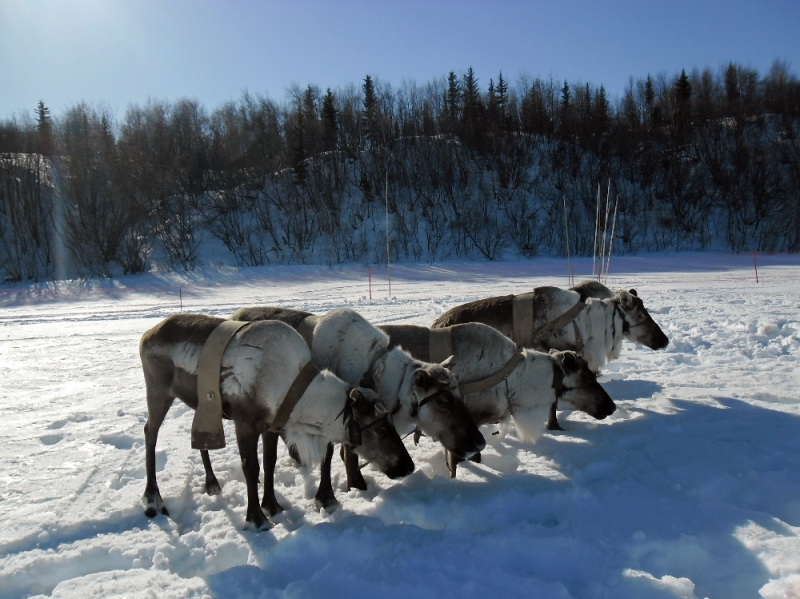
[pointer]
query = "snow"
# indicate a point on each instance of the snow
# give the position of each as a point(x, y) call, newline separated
point(689, 490)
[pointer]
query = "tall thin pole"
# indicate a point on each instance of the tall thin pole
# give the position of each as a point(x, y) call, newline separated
point(611, 243)
point(388, 269)
point(566, 230)
point(605, 232)
point(755, 266)
point(596, 227)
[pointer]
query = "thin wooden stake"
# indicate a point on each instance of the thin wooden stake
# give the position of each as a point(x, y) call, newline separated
point(566, 229)
point(388, 268)
point(611, 243)
point(596, 227)
point(605, 234)
point(755, 266)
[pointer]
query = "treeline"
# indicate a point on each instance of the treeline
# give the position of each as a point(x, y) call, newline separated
point(692, 161)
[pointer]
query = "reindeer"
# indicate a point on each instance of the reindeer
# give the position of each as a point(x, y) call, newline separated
point(553, 318)
point(499, 380)
point(419, 394)
point(258, 367)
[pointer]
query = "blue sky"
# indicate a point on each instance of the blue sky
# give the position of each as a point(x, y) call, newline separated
point(119, 52)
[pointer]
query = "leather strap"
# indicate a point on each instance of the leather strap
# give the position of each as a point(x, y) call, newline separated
point(522, 319)
point(207, 431)
point(440, 344)
point(494, 379)
point(559, 323)
point(293, 395)
point(367, 380)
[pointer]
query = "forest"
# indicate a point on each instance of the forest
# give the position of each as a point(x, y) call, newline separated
point(455, 168)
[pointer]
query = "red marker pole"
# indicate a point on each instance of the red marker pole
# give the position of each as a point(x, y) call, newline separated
point(755, 266)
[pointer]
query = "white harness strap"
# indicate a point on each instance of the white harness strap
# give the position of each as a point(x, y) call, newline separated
point(207, 431)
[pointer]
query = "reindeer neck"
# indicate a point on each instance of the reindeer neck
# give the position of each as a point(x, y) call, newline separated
point(321, 406)
point(534, 375)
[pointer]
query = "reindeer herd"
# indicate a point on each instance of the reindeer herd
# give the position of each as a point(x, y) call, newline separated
point(320, 380)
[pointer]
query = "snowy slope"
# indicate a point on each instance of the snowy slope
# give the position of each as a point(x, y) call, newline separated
point(691, 489)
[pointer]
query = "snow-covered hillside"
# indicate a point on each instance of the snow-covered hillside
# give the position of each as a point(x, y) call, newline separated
point(691, 489)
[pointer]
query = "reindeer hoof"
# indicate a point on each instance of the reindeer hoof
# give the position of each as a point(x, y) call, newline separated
point(272, 509)
point(153, 506)
point(329, 504)
point(359, 484)
point(152, 512)
point(554, 426)
point(258, 523)
point(213, 487)
point(476, 457)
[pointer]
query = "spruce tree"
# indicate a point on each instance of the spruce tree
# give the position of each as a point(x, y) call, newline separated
point(452, 101)
point(44, 130)
point(330, 123)
point(502, 101)
point(370, 112)
point(731, 84)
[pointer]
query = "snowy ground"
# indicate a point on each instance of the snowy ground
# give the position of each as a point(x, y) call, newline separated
point(691, 489)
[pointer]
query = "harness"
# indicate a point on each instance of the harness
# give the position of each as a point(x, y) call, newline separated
point(441, 347)
point(207, 431)
point(522, 327)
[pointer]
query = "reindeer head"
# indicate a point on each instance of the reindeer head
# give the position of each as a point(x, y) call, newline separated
point(578, 388)
point(439, 410)
point(371, 434)
point(637, 324)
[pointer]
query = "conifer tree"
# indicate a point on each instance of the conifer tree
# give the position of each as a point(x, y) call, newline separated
point(330, 123)
point(452, 101)
point(370, 113)
point(682, 92)
point(44, 130)
point(502, 101)
point(731, 84)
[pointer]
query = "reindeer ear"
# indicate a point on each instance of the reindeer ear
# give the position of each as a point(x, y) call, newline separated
point(360, 401)
point(569, 361)
point(447, 363)
point(625, 298)
point(380, 409)
point(633, 292)
point(423, 379)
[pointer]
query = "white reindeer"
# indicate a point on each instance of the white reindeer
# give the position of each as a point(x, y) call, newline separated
point(258, 366)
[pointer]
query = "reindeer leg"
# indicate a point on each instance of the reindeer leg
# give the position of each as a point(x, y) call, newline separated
point(325, 497)
point(269, 503)
point(552, 421)
point(247, 439)
point(355, 480)
point(158, 405)
point(452, 462)
point(212, 484)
